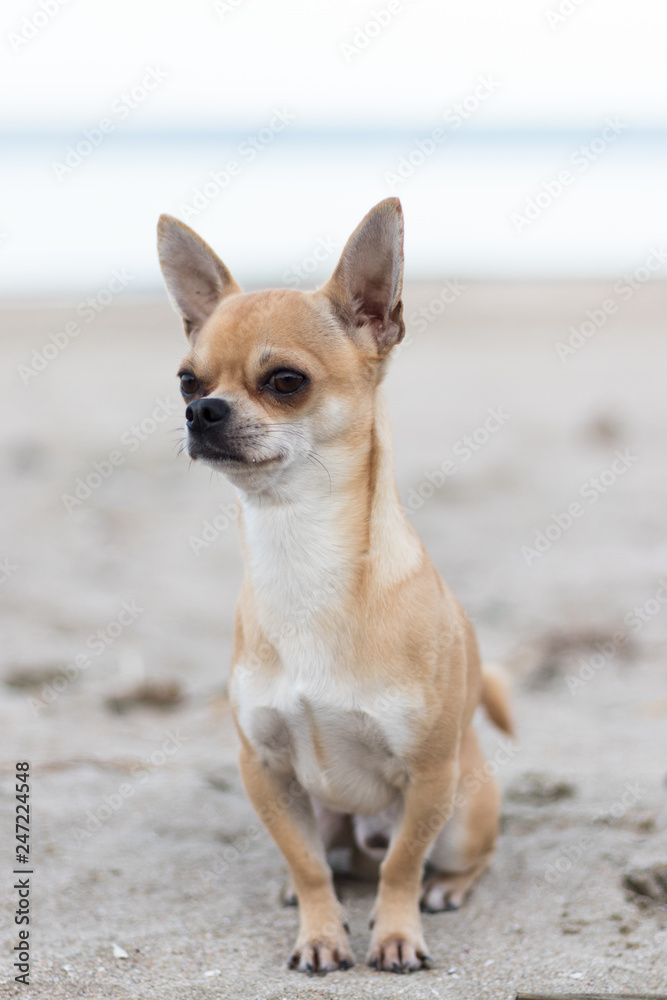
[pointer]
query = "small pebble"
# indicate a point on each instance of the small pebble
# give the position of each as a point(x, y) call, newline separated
point(212, 972)
point(118, 952)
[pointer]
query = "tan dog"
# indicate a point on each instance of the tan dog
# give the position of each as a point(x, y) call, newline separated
point(355, 672)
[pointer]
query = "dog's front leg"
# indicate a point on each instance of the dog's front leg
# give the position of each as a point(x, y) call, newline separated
point(398, 944)
point(286, 810)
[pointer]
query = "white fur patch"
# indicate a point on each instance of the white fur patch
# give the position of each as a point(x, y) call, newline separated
point(344, 743)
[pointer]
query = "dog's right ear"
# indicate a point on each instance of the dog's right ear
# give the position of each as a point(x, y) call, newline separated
point(365, 289)
point(196, 279)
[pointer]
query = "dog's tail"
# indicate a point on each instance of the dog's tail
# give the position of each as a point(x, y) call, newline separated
point(495, 698)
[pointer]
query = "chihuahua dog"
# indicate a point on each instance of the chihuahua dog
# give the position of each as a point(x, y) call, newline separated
point(355, 672)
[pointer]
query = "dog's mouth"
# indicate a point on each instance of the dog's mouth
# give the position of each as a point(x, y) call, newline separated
point(228, 457)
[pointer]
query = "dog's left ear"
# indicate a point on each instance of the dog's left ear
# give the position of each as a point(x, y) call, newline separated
point(365, 289)
point(196, 278)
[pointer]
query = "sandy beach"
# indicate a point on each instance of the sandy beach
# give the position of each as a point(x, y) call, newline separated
point(535, 473)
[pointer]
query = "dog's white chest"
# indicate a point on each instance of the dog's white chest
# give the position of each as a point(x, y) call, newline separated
point(299, 566)
point(345, 744)
point(319, 714)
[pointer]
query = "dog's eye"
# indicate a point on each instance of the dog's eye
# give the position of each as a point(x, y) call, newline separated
point(286, 382)
point(189, 384)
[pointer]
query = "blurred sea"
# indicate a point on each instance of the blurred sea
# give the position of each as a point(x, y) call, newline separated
point(282, 213)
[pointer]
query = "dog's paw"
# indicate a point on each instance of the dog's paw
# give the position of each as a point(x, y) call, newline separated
point(445, 892)
point(320, 956)
point(439, 898)
point(398, 953)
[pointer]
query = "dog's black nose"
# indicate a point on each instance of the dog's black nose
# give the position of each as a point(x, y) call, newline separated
point(208, 412)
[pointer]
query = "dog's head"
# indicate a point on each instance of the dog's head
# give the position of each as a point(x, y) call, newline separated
point(274, 378)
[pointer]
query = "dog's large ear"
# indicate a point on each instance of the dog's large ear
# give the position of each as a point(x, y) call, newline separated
point(365, 289)
point(196, 279)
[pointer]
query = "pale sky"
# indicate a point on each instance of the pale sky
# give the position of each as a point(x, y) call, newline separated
point(227, 67)
point(368, 66)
